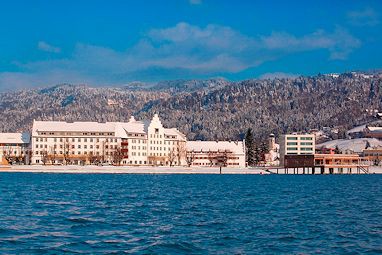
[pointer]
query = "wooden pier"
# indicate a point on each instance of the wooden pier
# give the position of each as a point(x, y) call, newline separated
point(323, 164)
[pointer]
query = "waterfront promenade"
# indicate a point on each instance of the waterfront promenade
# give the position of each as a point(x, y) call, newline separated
point(144, 170)
point(129, 170)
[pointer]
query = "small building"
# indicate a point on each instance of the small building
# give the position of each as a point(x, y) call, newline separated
point(341, 163)
point(14, 148)
point(272, 157)
point(374, 155)
point(296, 144)
point(216, 153)
point(326, 164)
point(349, 146)
point(373, 132)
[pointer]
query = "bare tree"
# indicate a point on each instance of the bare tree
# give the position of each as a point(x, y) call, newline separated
point(44, 157)
point(211, 157)
point(222, 158)
point(172, 156)
point(190, 157)
point(7, 154)
point(52, 155)
point(181, 151)
point(66, 152)
point(117, 156)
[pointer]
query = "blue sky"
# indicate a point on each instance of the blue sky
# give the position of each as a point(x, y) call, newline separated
point(111, 43)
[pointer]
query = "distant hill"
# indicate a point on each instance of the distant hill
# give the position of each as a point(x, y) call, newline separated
point(207, 109)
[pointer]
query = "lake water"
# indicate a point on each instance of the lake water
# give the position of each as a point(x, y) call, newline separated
point(190, 214)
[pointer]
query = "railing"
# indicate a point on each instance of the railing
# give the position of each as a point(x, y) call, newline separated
point(365, 170)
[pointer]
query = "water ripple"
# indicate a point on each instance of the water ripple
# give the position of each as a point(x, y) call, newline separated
point(190, 214)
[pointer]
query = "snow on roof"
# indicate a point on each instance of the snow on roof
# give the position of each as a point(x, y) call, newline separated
point(73, 126)
point(356, 129)
point(375, 129)
point(175, 132)
point(120, 128)
point(234, 147)
point(15, 138)
point(133, 126)
point(356, 145)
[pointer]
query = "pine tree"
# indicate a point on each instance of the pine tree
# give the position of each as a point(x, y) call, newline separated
point(367, 146)
point(249, 144)
point(257, 157)
point(263, 150)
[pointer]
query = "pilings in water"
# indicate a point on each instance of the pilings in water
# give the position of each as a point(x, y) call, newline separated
point(321, 170)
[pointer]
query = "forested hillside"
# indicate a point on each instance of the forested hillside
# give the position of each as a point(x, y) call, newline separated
point(209, 109)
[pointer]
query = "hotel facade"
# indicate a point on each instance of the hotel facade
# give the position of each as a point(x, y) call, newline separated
point(132, 143)
point(126, 143)
point(14, 147)
point(216, 153)
point(296, 144)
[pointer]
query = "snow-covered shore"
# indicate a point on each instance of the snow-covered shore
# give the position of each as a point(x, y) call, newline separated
point(128, 170)
point(145, 170)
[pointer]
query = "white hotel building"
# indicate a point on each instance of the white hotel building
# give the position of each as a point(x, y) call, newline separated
point(216, 153)
point(296, 144)
point(134, 143)
point(14, 147)
point(126, 143)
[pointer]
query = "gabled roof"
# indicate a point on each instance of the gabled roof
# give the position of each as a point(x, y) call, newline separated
point(205, 146)
point(15, 138)
point(356, 145)
point(62, 126)
point(375, 129)
point(175, 132)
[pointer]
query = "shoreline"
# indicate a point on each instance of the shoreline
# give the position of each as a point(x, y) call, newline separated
point(70, 169)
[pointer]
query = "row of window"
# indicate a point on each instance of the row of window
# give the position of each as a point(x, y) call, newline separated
point(138, 141)
point(138, 153)
point(72, 153)
point(198, 157)
point(13, 145)
point(301, 143)
point(208, 164)
point(294, 138)
point(44, 139)
point(13, 153)
point(138, 147)
point(41, 146)
point(165, 142)
point(75, 133)
point(159, 148)
point(136, 162)
point(302, 148)
point(136, 135)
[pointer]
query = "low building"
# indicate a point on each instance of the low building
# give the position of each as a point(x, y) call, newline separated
point(326, 164)
point(216, 153)
point(374, 155)
point(272, 157)
point(14, 148)
point(373, 132)
point(296, 144)
point(341, 163)
point(349, 146)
